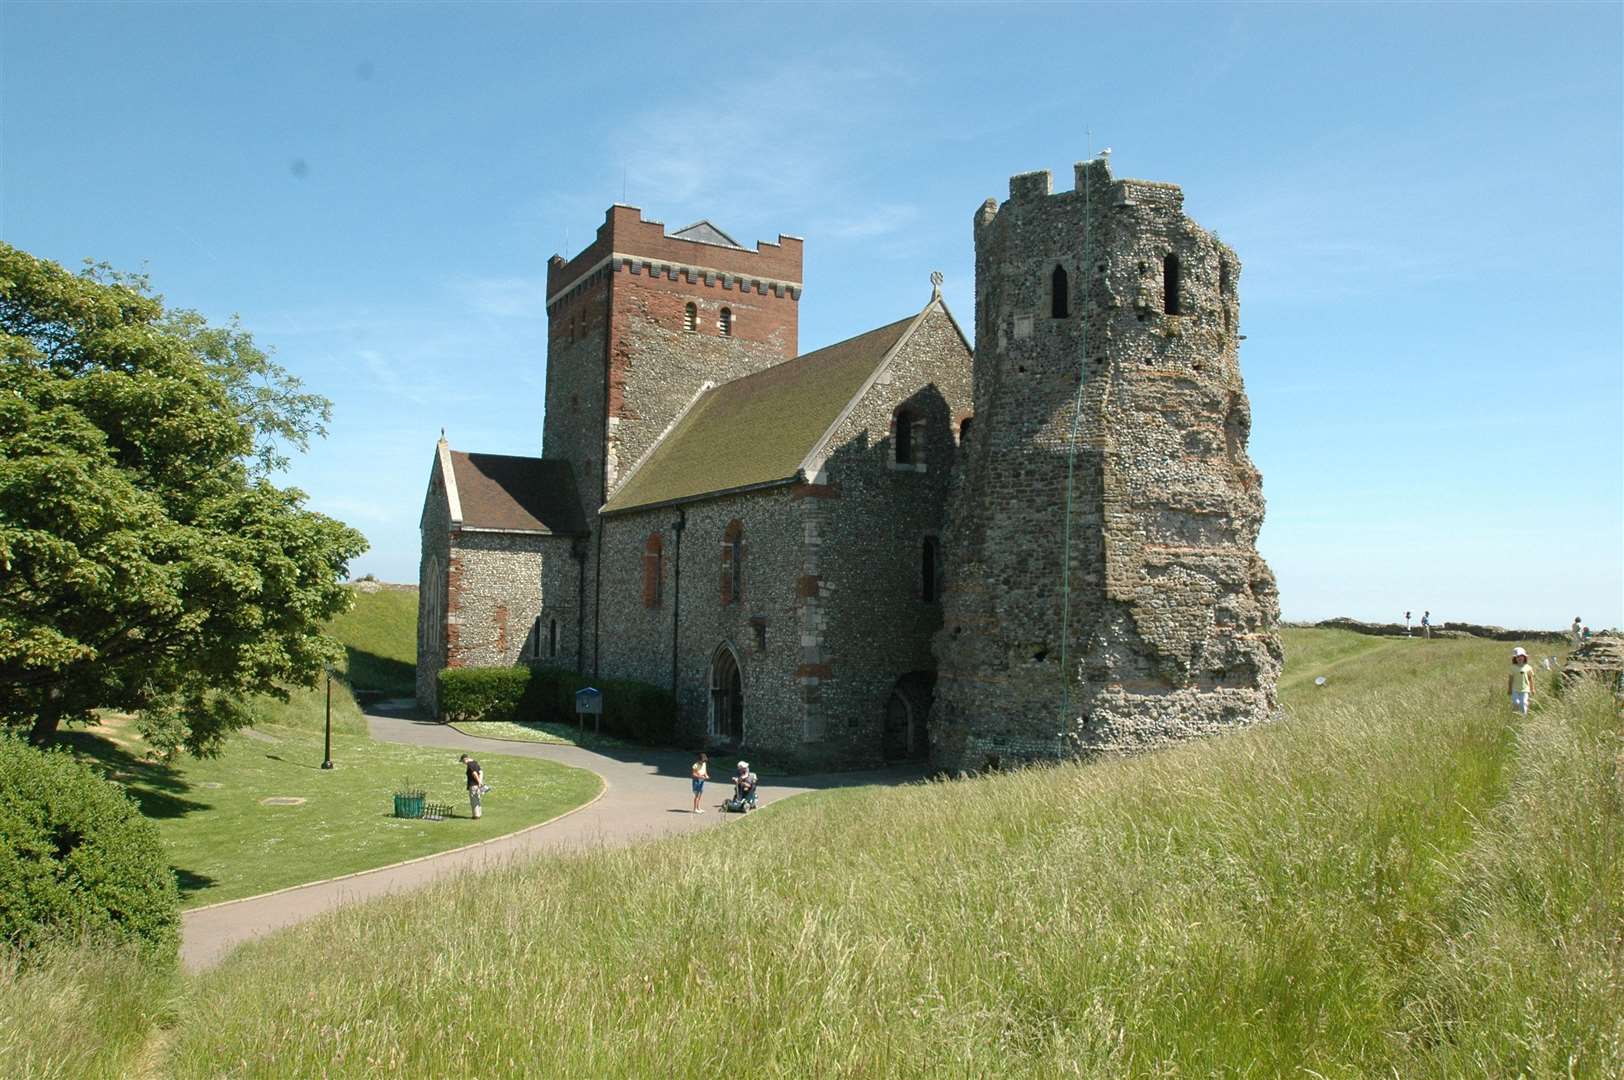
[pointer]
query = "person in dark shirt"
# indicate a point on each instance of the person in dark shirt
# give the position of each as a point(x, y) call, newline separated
point(476, 782)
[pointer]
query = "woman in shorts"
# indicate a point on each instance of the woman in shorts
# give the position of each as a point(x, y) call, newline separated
point(700, 772)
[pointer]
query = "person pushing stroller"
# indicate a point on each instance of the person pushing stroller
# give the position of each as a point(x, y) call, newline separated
point(745, 783)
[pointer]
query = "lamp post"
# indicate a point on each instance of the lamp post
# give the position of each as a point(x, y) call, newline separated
point(327, 761)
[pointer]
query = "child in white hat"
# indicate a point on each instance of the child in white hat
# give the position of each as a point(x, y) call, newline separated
point(1521, 684)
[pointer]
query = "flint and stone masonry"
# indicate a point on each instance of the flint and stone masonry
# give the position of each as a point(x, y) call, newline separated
point(861, 553)
point(1107, 308)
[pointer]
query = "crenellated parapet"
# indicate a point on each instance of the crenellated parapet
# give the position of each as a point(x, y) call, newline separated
point(626, 243)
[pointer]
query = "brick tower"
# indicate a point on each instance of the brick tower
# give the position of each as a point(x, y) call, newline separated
point(1165, 626)
point(640, 319)
point(637, 323)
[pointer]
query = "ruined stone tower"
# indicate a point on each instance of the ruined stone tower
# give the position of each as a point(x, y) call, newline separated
point(1164, 627)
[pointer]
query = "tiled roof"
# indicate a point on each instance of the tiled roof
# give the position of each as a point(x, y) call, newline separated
point(703, 232)
point(760, 428)
point(517, 494)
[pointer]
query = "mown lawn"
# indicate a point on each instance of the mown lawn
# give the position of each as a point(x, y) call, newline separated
point(226, 842)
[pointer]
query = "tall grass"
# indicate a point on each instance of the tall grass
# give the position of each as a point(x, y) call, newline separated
point(1395, 881)
point(80, 1011)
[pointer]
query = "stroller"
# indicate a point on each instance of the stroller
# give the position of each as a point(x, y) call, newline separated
point(744, 795)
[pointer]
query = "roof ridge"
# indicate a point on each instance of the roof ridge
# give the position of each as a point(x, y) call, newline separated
point(816, 452)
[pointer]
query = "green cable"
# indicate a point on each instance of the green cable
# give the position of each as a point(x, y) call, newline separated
point(1071, 468)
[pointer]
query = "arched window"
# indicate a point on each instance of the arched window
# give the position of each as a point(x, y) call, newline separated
point(552, 637)
point(903, 425)
point(726, 322)
point(964, 429)
point(1170, 284)
point(928, 588)
point(653, 571)
point(690, 318)
point(1059, 294)
point(1223, 277)
point(733, 563)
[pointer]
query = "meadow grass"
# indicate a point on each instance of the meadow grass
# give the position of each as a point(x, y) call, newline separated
point(1401, 879)
point(84, 1011)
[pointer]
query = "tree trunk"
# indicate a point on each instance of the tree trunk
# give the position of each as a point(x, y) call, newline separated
point(45, 723)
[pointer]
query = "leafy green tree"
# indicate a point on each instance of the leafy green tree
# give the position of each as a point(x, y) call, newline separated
point(147, 563)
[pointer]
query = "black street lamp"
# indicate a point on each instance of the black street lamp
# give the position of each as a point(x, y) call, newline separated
point(327, 762)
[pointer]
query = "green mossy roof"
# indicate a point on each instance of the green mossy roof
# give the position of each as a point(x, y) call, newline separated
point(758, 429)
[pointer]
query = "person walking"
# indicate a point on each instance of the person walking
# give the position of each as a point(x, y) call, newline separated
point(1426, 624)
point(1521, 683)
point(1577, 632)
point(699, 772)
point(476, 784)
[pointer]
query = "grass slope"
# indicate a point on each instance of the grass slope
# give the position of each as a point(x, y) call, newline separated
point(1399, 880)
point(379, 635)
point(1402, 879)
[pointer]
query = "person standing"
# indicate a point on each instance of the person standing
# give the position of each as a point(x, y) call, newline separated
point(1426, 624)
point(1577, 632)
point(699, 772)
point(1406, 624)
point(476, 784)
point(1521, 683)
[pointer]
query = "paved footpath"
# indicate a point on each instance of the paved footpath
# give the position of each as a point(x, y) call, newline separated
point(646, 795)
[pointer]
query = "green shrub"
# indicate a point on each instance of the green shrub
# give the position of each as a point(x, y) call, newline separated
point(77, 857)
point(636, 711)
point(481, 693)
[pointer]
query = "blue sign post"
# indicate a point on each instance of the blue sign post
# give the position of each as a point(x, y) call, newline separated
point(589, 699)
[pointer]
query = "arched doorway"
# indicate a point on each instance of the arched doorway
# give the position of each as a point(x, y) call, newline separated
point(903, 736)
point(727, 697)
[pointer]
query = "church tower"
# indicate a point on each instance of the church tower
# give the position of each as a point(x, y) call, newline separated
point(1105, 591)
point(638, 323)
point(640, 320)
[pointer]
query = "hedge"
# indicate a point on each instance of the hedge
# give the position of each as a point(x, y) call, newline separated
point(77, 858)
point(637, 711)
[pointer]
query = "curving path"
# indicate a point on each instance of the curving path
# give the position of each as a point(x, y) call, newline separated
point(645, 796)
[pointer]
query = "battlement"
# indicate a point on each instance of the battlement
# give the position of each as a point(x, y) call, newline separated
point(1033, 187)
point(700, 252)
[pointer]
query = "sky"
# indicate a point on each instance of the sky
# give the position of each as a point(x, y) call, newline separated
point(1426, 199)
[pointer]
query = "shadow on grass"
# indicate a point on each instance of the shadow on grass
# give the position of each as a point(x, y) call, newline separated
point(190, 881)
point(298, 764)
point(370, 673)
point(156, 788)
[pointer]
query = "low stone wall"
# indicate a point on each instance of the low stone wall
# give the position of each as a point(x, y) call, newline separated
point(1447, 629)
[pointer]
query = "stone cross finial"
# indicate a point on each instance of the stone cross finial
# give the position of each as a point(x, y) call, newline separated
point(935, 283)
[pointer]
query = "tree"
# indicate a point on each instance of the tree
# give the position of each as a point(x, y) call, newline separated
point(147, 563)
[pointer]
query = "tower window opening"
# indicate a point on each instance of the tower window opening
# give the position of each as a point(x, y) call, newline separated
point(1223, 276)
point(903, 422)
point(726, 322)
point(552, 637)
point(690, 318)
point(928, 589)
point(1059, 294)
point(1170, 285)
point(964, 429)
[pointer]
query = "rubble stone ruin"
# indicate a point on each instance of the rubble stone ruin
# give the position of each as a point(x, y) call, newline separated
point(1110, 422)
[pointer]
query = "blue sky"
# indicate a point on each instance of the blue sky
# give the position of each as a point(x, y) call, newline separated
point(1426, 200)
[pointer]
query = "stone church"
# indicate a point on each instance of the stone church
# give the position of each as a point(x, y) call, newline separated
point(890, 547)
